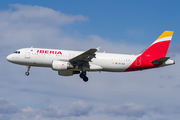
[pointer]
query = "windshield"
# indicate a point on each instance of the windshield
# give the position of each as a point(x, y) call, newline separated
point(17, 52)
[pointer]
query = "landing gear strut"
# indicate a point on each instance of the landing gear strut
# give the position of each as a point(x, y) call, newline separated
point(83, 76)
point(27, 73)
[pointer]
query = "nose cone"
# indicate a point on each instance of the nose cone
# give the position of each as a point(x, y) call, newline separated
point(9, 58)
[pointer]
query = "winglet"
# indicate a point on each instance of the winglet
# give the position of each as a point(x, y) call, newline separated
point(98, 48)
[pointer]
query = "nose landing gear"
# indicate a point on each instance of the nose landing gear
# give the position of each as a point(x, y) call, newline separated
point(27, 73)
point(83, 76)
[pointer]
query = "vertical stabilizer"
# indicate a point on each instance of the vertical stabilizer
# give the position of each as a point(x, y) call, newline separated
point(155, 55)
point(159, 47)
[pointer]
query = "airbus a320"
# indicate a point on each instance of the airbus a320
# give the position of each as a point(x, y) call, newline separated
point(68, 62)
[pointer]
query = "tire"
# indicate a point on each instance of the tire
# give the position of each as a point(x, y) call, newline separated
point(85, 79)
point(81, 75)
point(27, 73)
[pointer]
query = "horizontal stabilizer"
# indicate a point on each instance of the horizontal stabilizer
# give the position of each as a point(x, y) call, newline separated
point(163, 59)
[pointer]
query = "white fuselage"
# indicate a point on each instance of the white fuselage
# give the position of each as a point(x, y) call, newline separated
point(101, 62)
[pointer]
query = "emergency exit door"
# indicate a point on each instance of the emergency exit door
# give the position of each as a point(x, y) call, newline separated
point(27, 55)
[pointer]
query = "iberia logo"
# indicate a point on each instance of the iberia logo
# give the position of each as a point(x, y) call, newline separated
point(49, 51)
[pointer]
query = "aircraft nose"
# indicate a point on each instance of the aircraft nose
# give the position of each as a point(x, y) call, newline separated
point(9, 58)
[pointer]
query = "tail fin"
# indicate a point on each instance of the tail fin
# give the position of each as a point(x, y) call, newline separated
point(159, 47)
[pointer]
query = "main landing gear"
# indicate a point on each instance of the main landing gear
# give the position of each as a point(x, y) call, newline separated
point(27, 73)
point(83, 76)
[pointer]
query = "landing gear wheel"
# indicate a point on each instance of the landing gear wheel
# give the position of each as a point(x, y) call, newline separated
point(28, 69)
point(27, 73)
point(83, 76)
point(85, 79)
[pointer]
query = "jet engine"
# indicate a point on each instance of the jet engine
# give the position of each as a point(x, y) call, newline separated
point(61, 65)
point(67, 72)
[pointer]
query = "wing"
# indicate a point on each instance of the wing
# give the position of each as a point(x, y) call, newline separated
point(86, 56)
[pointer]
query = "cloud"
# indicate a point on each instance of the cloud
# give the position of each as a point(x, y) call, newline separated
point(7, 107)
point(39, 15)
point(25, 25)
point(84, 110)
point(45, 95)
point(9, 110)
point(76, 109)
point(130, 110)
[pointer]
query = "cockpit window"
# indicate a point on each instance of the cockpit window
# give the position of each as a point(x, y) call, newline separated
point(17, 52)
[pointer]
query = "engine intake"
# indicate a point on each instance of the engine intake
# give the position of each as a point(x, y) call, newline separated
point(61, 65)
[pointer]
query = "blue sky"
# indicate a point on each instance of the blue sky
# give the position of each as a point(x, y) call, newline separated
point(117, 26)
point(117, 19)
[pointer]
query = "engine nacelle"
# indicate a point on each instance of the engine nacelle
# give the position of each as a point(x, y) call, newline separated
point(65, 72)
point(61, 65)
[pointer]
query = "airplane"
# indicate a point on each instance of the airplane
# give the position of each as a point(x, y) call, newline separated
point(68, 62)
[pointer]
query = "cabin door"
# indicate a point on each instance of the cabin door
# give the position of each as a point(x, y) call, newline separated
point(27, 55)
point(138, 61)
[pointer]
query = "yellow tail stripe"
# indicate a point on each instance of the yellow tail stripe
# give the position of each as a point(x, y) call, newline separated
point(165, 34)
